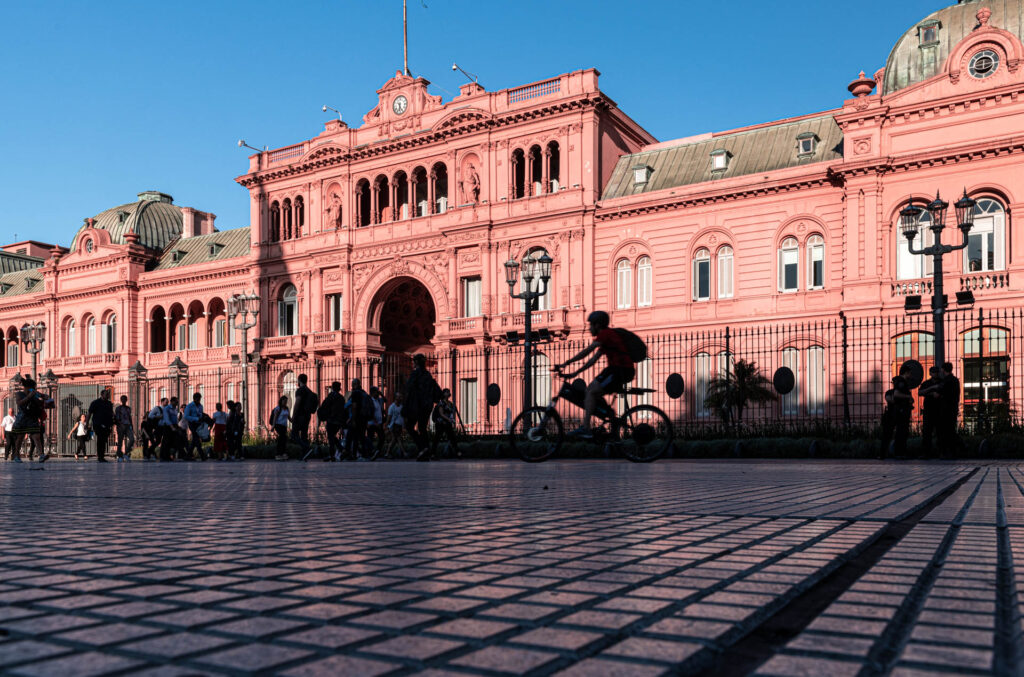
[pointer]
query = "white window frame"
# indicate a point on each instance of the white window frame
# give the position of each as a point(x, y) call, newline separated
point(817, 368)
point(109, 339)
point(288, 322)
point(815, 253)
point(471, 296)
point(725, 272)
point(543, 302)
point(334, 312)
point(990, 221)
point(90, 328)
point(789, 255)
point(701, 379)
point(623, 284)
point(193, 335)
point(791, 401)
point(644, 282)
point(220, 332)
point(468, 400)
point(915, 266)
point(701, 259)
point(72, 347)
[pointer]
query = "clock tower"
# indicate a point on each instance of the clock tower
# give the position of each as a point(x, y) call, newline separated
point(401, 102)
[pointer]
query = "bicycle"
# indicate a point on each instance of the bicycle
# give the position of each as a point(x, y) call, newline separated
point(642, 433)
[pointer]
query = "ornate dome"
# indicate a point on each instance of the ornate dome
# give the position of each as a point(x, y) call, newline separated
point(921, 53)
point(154, 218)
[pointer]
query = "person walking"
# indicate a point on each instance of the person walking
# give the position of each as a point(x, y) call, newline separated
point(375, 428)
point(6, 426)
point(395, 427)
point(80, 431)
point(279, 418)
point(149, 433)
point(949, 439)
point(333, 412)
point(220, 425)
point(422, 393)
point(169, 429)
point(360, 415)
point(125, 428)
point(930, 392)
point(195, 417)
point(444, 423)
point(101, 420)
point(235, 431)
point(306, 403)
point(899, 404)
point(26, 422)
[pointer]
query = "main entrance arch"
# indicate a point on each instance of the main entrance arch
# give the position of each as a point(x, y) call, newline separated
point(402, 322)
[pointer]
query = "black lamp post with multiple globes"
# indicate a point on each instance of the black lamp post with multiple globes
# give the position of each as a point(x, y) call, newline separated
point(32, 338)
point(243, 311)
point(910, 224)
point(533, 268)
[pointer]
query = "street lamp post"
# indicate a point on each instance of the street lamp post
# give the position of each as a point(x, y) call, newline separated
point(910, 224)
point(240, 308)
point(32, 338)
point(533, 268)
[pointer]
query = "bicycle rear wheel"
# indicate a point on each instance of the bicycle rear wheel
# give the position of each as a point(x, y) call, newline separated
point(646, 434)
point(536, 434)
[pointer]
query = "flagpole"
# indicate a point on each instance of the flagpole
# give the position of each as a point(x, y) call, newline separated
point(405, 34)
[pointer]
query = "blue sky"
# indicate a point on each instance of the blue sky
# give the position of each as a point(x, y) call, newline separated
point(101, 100)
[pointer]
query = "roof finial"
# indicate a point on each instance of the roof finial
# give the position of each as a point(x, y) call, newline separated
point(983, 16)
point(862, 86)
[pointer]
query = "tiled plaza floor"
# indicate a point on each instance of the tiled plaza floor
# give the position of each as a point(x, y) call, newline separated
point(492, 568)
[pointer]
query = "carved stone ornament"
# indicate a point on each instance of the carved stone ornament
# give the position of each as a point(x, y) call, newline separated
point(632, 251)
point(399, 266)
point(713, 239)
point(862, 146)
point(801, 227)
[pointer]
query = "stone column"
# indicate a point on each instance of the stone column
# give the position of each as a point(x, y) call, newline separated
point(546, 178)
point(375, 204)
point(431, 207)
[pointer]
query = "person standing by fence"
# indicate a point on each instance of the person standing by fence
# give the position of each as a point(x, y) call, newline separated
point(125, 430)
point(235, 430)
point(395, 426)
point(899, 404)
point(220, 425)
point(949, 438)
point(101, 418)
point(421, 393)
point(930, 393)
point(360, 415)
point(279, 418)
point(306, 403)
point(195, 417)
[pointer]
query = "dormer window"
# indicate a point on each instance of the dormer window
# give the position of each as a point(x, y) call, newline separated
point(720, 160)
point(641, 175)
point(215, 249)
point(5, 287)
point(806, 144)
point(177, 255)
point(928, 33)
point(30, 282)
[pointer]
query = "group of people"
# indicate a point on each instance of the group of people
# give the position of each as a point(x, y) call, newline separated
point(361, 425)
point(28, 424)
point(940, 409)
point(173, 432)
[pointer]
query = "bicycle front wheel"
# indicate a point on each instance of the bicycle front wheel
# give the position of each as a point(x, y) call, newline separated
point(646, 433)
point(536, 434)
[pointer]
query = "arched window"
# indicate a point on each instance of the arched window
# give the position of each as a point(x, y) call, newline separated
point(815, 262)
point(382, 195)
point(364, 207)
point(542, 302)
point(789, 265)
point(90, 341)
point(275, 221)
point(109, 340)
point(644, 282)
point(12, 348)
point(623, 284)
point(554, 160)
point(535, 163)
point(300, 216)
point(71, 340)
point(289, 384)
point(913, 266)
point(286, 218)
point(439, 175)
point(644, 379)
point(518, 173)
point(701, 378)
point(287, 312)
point(725, 272)
point(541, 380)
point(985, 245)
point(401, 187)
point(791, 400)
point(702, 275)
point(815, 381)
point(421, 191)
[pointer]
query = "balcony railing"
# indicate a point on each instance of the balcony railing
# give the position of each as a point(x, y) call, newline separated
point(287, 153)
point(981, 281)
point(912, 288)
point(534, 91)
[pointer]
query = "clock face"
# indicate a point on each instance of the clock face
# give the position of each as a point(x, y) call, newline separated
point(399, 105)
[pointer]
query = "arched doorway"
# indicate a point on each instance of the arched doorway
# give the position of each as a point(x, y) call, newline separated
point(402, 318)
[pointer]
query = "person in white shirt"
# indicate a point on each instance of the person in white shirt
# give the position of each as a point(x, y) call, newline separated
point(395, 426)
point(80, 431)
point(220, 425)
point(5, 432)
point(279, 421)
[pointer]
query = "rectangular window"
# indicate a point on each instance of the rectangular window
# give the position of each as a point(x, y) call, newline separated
point(181, 336)
point(791, 401)
point(725, 277)
point(644, 283)
point(468, 400)
point(816, 254)
point(231, 391)
point(643, 380)
point(193, 336)
point(816, 380)
point(471, 297)
point(220, 333)
point(701, 378)
point(623, 286)
point(702, 279)
point(788, 266)
point(334, 312)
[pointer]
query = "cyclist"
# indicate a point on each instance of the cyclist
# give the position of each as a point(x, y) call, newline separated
point(613, 378)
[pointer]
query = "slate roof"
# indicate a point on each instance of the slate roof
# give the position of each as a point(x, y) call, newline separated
point(193, 250)
point(753, 151)
point(910, 62)
point(154, 217)
point(18, 282)
point(10, 262)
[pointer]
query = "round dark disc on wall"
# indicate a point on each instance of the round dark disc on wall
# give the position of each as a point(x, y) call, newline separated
point(783, 380)
point(913, 371)
point(674, 386)
point(493, 394)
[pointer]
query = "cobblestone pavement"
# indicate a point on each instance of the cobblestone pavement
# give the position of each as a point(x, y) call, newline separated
point(573, 568)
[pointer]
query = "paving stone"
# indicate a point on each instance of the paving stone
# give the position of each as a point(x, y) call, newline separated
point(85, 664)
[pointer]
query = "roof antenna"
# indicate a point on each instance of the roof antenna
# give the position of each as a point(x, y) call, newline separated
point(405, 35)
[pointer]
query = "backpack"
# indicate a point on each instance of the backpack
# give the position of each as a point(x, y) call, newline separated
point(635, 346)
point(362, 407)
point(309, 401)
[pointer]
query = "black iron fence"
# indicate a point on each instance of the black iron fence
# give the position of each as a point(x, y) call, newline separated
point(842, 366)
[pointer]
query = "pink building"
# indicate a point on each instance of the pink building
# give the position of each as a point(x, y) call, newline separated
point(369, 243)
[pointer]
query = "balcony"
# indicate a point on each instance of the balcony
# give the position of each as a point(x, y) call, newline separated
point(912, 288)
point(278, 345)
point(997, 279)
point(466, 326)
point(82, 363)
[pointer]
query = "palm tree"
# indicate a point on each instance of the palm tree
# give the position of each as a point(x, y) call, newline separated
point(731, 392)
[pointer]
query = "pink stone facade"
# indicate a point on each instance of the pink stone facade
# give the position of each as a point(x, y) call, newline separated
point(390, 236)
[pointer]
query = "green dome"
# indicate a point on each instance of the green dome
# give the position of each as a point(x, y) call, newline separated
point(911, 61)
point(154, 218)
